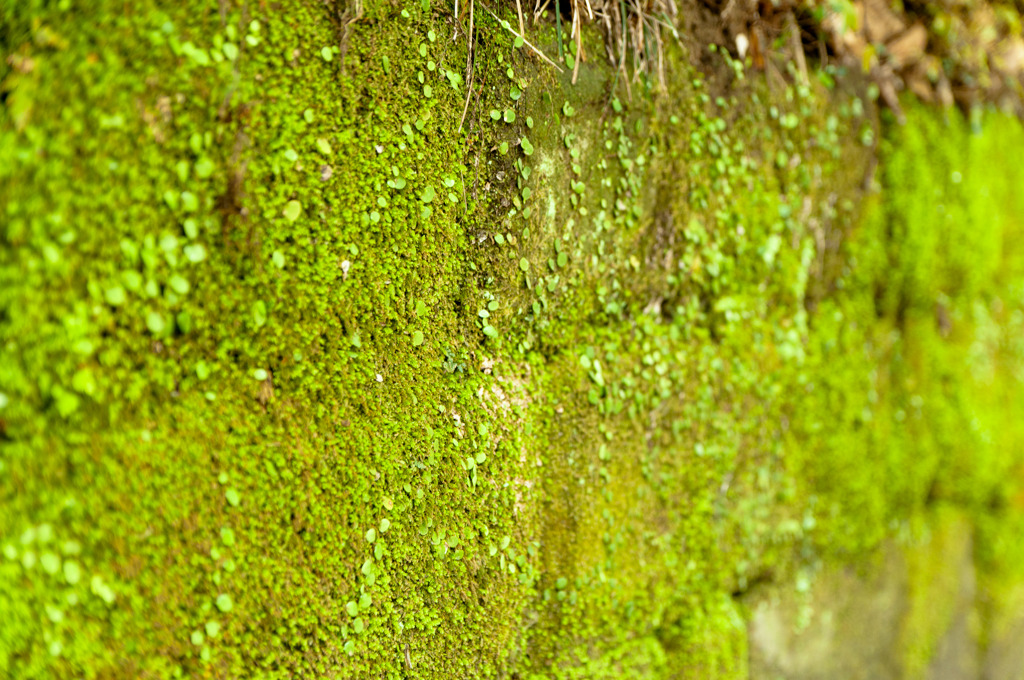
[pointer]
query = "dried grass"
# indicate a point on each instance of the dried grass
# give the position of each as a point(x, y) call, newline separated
point(971, 67)
point(634, 30)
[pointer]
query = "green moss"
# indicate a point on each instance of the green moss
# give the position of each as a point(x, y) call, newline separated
point(937, 561)
point(288, 359)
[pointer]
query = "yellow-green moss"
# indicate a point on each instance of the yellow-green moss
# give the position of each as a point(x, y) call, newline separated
point(234, 344)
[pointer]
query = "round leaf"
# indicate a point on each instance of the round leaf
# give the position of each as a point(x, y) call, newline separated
point(292, 210)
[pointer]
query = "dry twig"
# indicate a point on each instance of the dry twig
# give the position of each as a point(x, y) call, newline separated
point(507, 27)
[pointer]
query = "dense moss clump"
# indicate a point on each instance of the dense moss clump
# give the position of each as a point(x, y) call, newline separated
point(307, 373)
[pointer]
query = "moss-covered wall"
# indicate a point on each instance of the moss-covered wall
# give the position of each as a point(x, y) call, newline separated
point(306, 374)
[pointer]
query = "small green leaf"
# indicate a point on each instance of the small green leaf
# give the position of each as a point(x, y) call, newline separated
point(50, 562)
point(115, 296)
point(189, 201)
point(227, 536)
point(179, 284)
point(527, 146)
point(259, 313)
point(327, 54)
point(168, 243)
point(428, 195)
point(155, 323)
point(204, 167)
point(72, 572)
point(224, 602)
point(195, 252)
point(83, 381)
point(292, 210)
point(323, 146)
point(524, 264)
point(417, 338)
point(171, 199)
